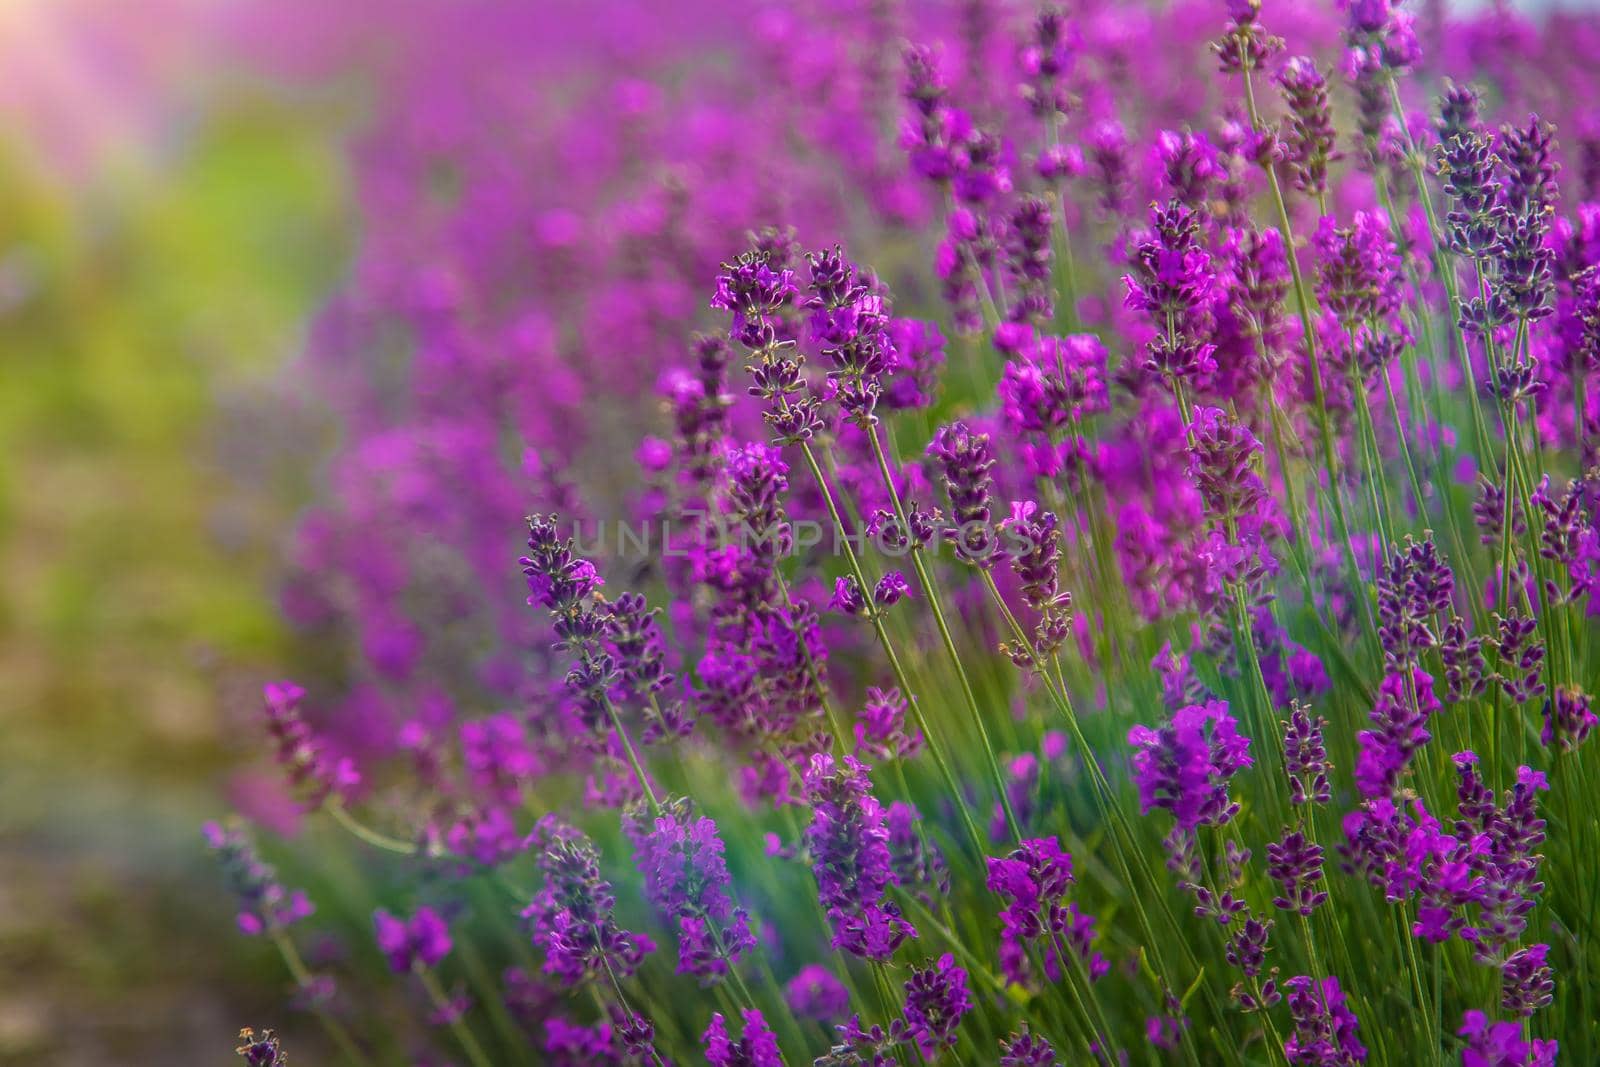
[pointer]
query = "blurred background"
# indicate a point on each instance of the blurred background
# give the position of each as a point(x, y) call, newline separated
point(173, 212)
point(177, 204)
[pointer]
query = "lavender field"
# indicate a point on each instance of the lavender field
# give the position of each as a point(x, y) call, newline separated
point(872, 532)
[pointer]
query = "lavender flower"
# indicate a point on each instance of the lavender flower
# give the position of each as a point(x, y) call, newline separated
point(1055, 383)
point(1027, 1050)
point(1325, 1030)
point(1510, 868)
point(1179, 684)
point(1035, 552)
point(1295, 863)
point(1028, 259)
point(686, 878)
point(964, 459)
point(1245, 45)
point(1309, 140)
point(890, 590)
point(758, 1047)
point(1046, 58)
point(814, 993)
point(1473, 225)
point(1526, 984)
point(316, 775)
point(1184, 766)
point(1521, 658)
point(881, 730)
point(1173, 283)
point(1466, 672)
point(849, 844)
point(565, 584)
point(1568, 719)
point(1501, 1044)
point(1189, 166)
point(1413, 591)
point(1038, 918)
point(918, 348)
point(849, 320)
point(758, 296)
point(1400, 717)
point(570, 918)
point(1247, 947)
point(933, 130)
point(634, 636)
point(264, 904)
point(936, 999)
point(1107, 154)
point(917, 864)
point(1458, 111)
point(412, 944)
point(1306, 758)
point(260, 1050)
point(1222, 461)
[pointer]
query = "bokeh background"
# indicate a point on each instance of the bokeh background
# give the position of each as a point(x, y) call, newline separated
point(176, 205)
point(174, 209)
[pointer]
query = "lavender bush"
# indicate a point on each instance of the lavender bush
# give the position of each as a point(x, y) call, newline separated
point(1129, 604)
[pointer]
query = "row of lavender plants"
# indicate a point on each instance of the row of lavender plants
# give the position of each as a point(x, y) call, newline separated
point(1154, 628)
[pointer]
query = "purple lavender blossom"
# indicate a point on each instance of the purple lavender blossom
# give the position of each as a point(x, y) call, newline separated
point(1400, 717)
point(1415, 589)
point(914, 382)
point(936, 999)
point(1173, 283)
point(1526, 981)
point(1306, 758)
point(316, 775)
point(849, 844)
point(1295, 863)
point(1247, 947)
point(1028, 257)
point(758, 297)
point(686, 878)
point(847, 598)
point(264, 904)
point(881, 730)
point(1473, 225)
point(260, 1050)
point(1054, 384)
point(1245, 45)
point(1222, 461)
point(1027, 1050)
point(1184, 766)
point(965, 460)
point(757, 1047)
point(412, 944)
point(1521, 658)
point(1501, 1044)
point(1309, 140)
point(1568, 719)
point(1034, 548)
point(814, 993)
point(1038, 921)
point(849, 318)
point(1325, 1030)
point(917, 863)
point(570, 917)
point(1466, 671)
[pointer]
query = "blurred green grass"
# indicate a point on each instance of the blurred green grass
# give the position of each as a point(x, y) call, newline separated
point(147, 314)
